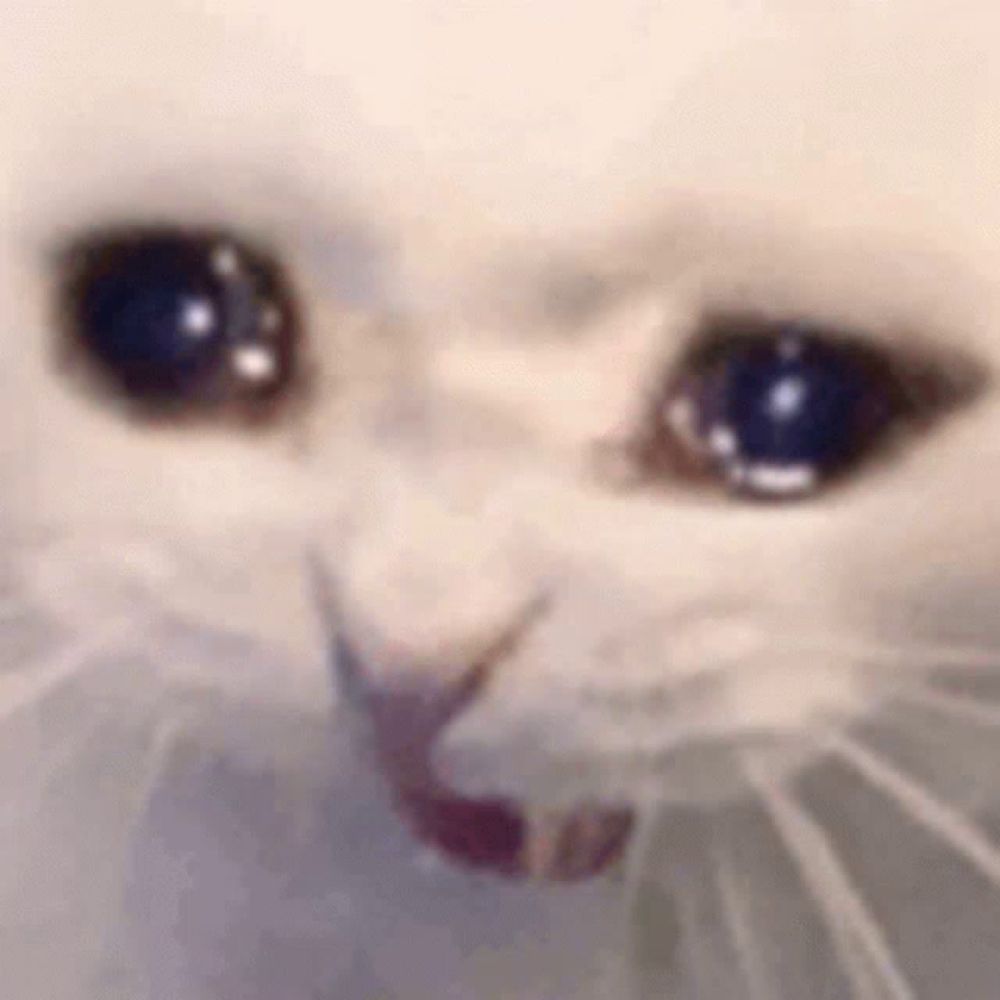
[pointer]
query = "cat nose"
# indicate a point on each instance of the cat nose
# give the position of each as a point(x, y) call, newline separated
point(493, 833)
point(430, 603)
point(410, 707)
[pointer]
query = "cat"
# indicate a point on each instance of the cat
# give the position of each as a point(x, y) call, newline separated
point(246, 669)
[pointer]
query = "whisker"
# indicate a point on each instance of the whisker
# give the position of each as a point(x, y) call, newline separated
point(962, 707)
point(734, 908)
point(946, 823)
point(941, 657)
point(637, 859)
point(29, 687)
point(62, 757)
point(709, 968)
point(874, 972)
point(166, 735)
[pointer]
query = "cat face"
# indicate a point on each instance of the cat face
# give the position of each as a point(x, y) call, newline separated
point(507, 231)
point(504, 236)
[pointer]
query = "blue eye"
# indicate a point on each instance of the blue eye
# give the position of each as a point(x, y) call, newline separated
point(779, 409)
point(175, 319)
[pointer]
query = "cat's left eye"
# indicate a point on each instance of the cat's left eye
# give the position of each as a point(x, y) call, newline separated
point(179, 321)
point(778, 409)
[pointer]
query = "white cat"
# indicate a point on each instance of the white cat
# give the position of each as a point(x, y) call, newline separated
point(508, 229)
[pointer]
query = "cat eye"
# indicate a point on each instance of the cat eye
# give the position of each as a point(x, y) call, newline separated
point(779, 409)
point(178, 320)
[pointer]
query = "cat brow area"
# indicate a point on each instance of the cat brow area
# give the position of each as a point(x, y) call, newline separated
point(880, 286)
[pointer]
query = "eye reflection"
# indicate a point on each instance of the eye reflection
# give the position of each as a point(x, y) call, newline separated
point(777, 410)
point(179, 321)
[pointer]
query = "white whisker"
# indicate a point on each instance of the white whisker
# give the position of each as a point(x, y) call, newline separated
point(647, 818)
point(30, 686)
point(962, 707)
point(734, 908)
point(860, 940)
point(952, 828)
point(939, 657)
point(166, 735)
point(637, 861)
point(709, 963)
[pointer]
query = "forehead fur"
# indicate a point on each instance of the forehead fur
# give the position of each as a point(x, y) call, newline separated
point(456, 118)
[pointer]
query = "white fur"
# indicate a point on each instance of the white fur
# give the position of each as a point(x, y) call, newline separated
point(503, 221)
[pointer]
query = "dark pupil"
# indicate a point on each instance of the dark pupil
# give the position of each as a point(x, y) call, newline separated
point(794, 402)
point(153, 315)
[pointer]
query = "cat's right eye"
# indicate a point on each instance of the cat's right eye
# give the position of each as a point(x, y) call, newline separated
point(179, 321)
point(777, 410)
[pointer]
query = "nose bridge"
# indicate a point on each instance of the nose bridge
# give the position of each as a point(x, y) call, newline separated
point(429, 588)
point(566, 391)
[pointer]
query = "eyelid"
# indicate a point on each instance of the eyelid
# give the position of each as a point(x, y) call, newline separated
point(930, 379)
point(728, 255)
point(919, 382)
point(249, 284)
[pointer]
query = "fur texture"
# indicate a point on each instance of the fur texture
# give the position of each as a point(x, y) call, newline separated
point(503, 222)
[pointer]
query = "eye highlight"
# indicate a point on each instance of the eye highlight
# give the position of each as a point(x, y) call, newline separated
point(777, 410)
point(179, 321)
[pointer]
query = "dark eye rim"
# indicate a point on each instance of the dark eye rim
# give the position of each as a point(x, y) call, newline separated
point(922, 385)
point(218, 399)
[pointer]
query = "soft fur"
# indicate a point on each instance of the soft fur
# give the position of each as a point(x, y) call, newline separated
point(503, 222)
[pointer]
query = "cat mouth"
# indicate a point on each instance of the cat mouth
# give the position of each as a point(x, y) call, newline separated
point(510, 839)
point(498, 835)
